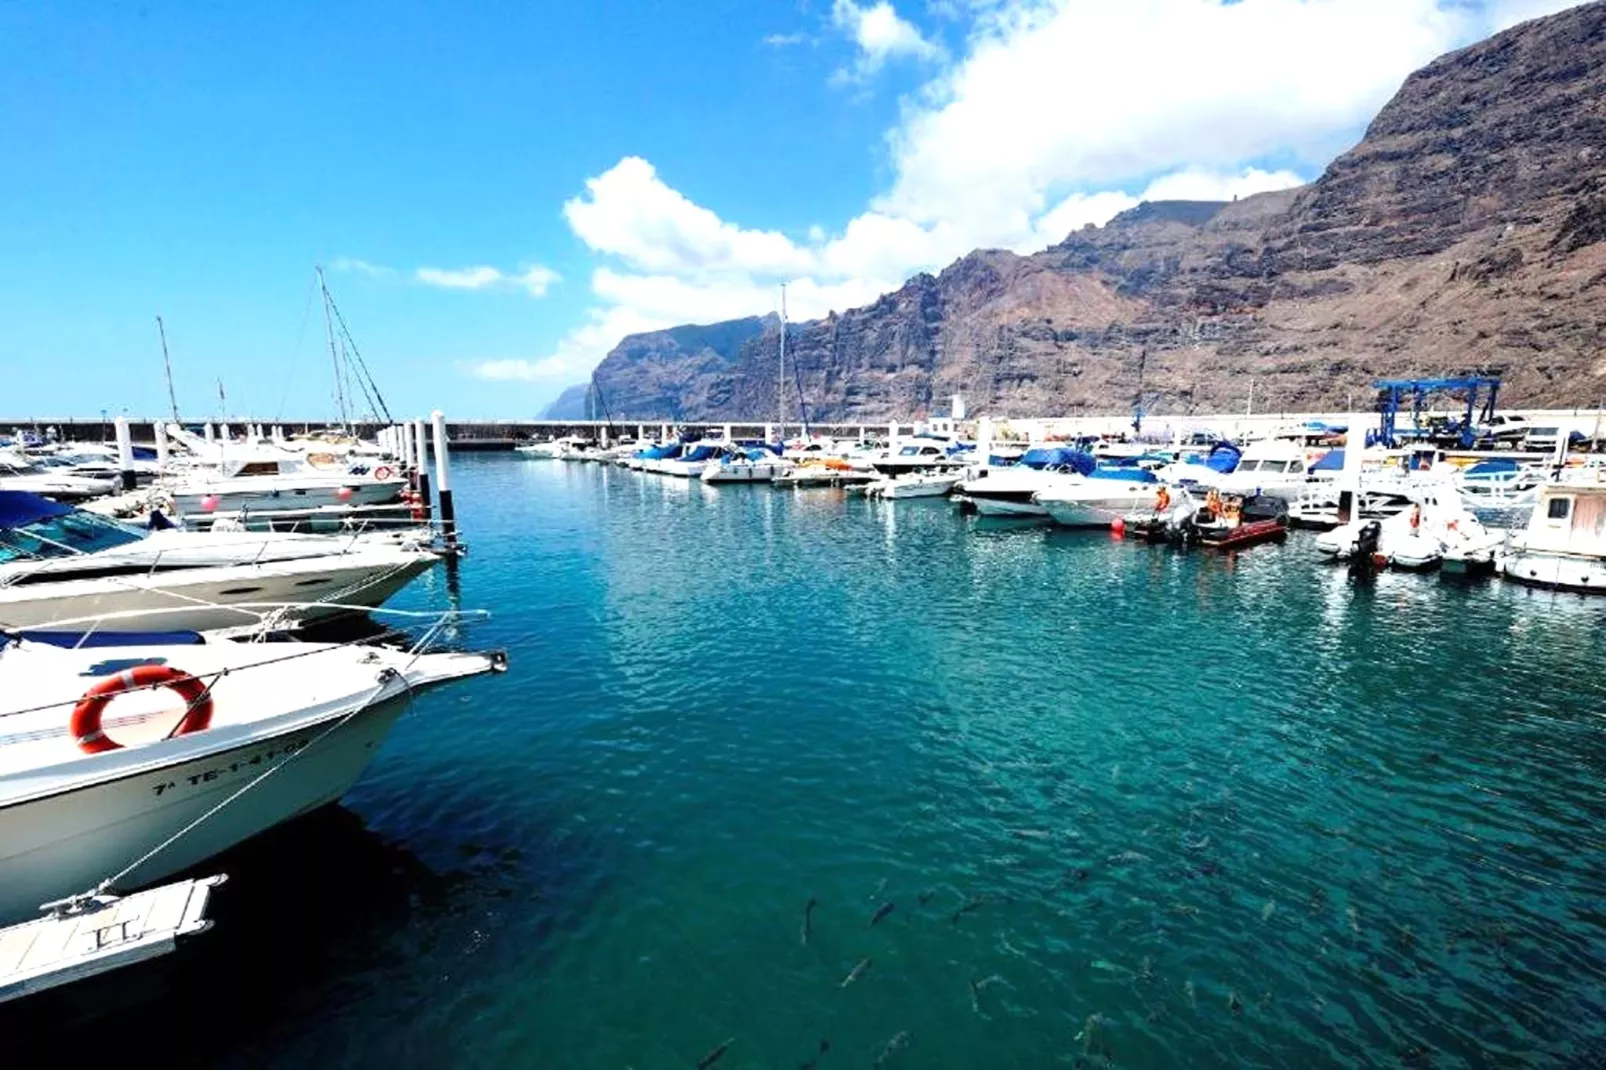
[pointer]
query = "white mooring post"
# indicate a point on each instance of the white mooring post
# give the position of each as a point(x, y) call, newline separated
point(663, 433)
point(160, 430)
point(641, 434)
point(984, 441)
point(1349, 477)
point(409, 455)
point(443, 479)
point(421, 442)
point(125, 452)
point(210, 433)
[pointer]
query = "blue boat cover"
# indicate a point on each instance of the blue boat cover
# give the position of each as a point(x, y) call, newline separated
point(700, 453)
point(1060, 457)
point(1331, 461)
point(1224, 457)
point(1491, 467)
point(69, 640)
point(18, 508)
point(658, 453)
point(1127, 472)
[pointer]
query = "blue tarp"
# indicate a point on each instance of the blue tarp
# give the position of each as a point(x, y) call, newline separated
point(658, 453)
point(1127, 472)
point(1224, 457)
point(1060, 457)
point(105, 639)
point(1331, 461)
point(1491, 467)
point(699, 453)
point(19, 508)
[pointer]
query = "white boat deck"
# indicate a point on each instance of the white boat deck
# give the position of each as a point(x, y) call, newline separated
point(59, 949)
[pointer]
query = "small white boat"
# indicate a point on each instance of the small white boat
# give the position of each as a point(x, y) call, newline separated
point(1099, 498)
point(276, 481)
point(1564, 545)
point(914, 485)
point(751, 465)
point(59, 564)
point(19, 473)
point(123, 765)
point(1273, 467)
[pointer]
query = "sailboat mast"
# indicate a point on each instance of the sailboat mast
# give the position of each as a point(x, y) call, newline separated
point(780, 385)
point(334, 355)
point(167, 363)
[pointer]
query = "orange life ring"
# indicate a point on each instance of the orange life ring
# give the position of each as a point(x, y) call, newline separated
point(85, 723)
point(382, 472)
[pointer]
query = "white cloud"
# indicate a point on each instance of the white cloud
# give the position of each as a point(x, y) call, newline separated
point(784, 40)
point(1504, 14)
point(361, 267)
point(1056, 113)
point(528, 370)
point(879, 34)
point(534, 281)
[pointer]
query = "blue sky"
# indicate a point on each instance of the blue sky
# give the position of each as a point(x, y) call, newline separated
point(500, 191)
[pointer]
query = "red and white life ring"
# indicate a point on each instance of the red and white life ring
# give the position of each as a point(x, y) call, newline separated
point(383, 472)
point(85, 723)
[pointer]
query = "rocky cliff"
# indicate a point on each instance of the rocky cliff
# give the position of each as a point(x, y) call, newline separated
point(1467, 231)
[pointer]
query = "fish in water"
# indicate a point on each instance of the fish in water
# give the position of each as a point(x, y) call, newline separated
point(977, 986)
point(1268, 910)
point(1075, 876)
point(926, 896)
point(1189, 991)
point(1195, 844)
point(808, 919)
point(881, 911)
point(714, 1056)
point(1354, 920)
point(966, 907)
point(812, 1064)
point(855, 973)
point(1126, 858)
point(1234, 1004)
point(895, 1045)
point(1106, 966)
point(879, 888)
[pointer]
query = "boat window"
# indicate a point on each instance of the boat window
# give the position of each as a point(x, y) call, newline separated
point(1559, 508)
point(259, 468)
point(65, 536)
point(1296, 467)
point(1274, 466)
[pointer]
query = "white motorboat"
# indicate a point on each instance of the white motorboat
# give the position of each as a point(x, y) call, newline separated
point(917, 455)
point(122, 765)
point(1013, 490)
point(914, 485)
point(277, 481)
point(21, 474)
point(1500, 484)
point(1275, 468)
point(751, 465)
point(1433, 526)
point(1564, 545)
point(60, 564)
point(1099, 498)
point(690, 462)
point(830, 472)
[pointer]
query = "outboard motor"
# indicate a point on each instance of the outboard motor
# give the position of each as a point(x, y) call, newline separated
point(1366, 541)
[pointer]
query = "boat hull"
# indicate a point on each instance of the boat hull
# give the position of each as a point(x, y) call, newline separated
point(1100, 513)
point(1555, 572)
point(67, 843)
point(1008, 504)
point(1251, 534)
point(205, 599)
point(192, 502)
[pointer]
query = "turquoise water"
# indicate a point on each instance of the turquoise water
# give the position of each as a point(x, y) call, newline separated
point(1132, 808)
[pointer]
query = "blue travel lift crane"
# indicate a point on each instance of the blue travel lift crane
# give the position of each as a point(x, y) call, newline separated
point(1480, 392)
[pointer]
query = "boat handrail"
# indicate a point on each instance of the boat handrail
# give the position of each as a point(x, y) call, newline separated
point(439, 621)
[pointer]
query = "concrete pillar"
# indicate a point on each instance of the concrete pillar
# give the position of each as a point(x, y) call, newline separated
point(125, 452)
point(663, 433)
point(1349, 478)
point(641, 433)
point(421, 443)
point(210, 434)
point(443, 478)
point(984, 440)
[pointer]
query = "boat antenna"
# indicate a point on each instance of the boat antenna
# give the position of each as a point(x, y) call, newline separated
point(365, 379)
point(334, 354)
point(167, 363)
point(780, 384)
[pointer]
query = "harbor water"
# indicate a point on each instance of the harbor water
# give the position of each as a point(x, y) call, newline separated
point(1128, 807)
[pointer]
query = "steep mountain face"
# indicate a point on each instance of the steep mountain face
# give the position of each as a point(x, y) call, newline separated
point(569, 405)
point(1467, 231)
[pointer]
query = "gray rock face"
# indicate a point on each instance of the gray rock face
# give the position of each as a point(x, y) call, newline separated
point(1467, 231)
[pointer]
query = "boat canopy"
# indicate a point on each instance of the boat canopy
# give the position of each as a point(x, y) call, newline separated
point(1331, 461)
point(700, 453)
point(1125, 472)
point(97, 639)
point(1494, 466)
point(658, 453)
point(1060, 457)
point(18, 508)
point(1224, 457)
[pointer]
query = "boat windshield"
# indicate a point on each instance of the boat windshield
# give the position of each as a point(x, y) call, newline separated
point(67, 535)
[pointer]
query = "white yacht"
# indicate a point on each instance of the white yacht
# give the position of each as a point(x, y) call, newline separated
point(914, 485)
point(1013, 490)
point(1564, 545)
point(1433, 526)
point(751, 465)
point(22, 474)
point(59, 564)
point(916, 455)
point(122, 765)
point(1099, 498)
point(271, 481)
point(1273, 467)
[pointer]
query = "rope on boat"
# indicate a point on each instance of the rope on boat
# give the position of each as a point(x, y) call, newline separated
point(73, 904)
